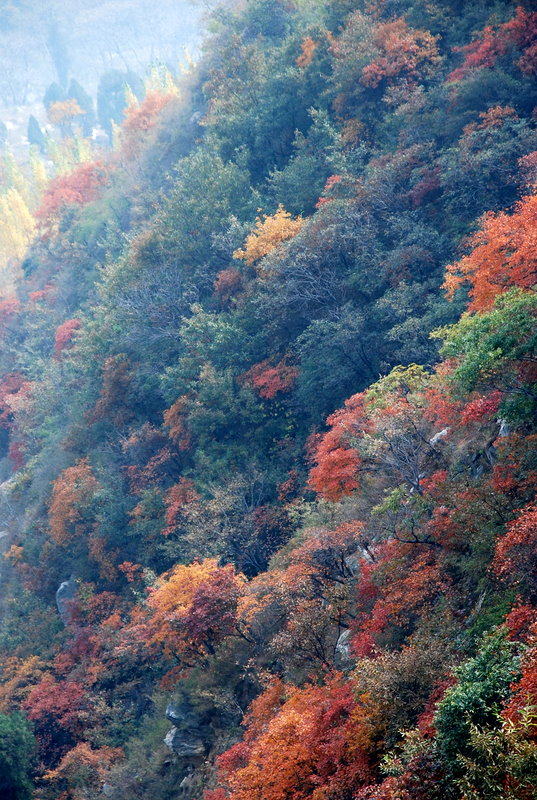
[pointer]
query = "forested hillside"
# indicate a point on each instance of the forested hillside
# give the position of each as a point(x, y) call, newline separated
point(268, 423)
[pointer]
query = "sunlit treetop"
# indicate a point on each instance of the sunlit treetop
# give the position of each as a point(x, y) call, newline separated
point(268, 233)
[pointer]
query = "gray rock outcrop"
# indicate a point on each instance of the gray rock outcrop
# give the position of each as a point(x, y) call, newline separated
point(343, 649)
point(439, 437)
point(185, 738)
point(505, 429)
point(65, 597)
point(185, 744)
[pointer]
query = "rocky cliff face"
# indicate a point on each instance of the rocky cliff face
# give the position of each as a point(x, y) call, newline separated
point(185, 739)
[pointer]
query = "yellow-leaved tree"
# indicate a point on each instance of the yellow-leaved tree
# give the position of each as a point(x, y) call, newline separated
point(267, 234)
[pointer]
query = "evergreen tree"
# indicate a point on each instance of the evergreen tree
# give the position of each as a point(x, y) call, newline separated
point(112, 96)
point(17, 749)
point(87, 119)
point(35, 134)
point(54, 94)
point(57, 48)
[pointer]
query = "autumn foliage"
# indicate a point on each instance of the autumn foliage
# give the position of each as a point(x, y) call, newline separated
point(12, 385)
point(78, 188)
point(515, 559)
point(227, 284)
point(308, 48)
point(190, 610)
point(139, 119)
point(177, 498)
point(270, 380)
point(9, 309)
point(175, 419)
point(116, 382)
point(267, 487)
point(503, 254)
point(64, 335)
point(72, 493)
point(60, 711)
point(522, 704)
point(64, 111)
point(375, 56)
point(400, 52)
point(337, 462)
point(269, 232)
point(313, 744)
point(385, 429)
point(84, 765)
point(493, 43)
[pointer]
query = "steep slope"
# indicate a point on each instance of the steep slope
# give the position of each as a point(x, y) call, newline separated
point(276, 500)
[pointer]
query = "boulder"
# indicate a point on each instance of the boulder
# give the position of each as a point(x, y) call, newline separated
point(65, 596)
point(505, 430)
point(178, 713)
point(187, 784)
point(185, 744)
point(185, 738)
point(343, 649)
point(438, 437)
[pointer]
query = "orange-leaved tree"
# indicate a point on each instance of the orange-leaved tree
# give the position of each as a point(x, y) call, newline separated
point(270, 380)
point(175, 419)
point(18, 677)
point(300, 742)
point(140, 119)
point(61, 711)
point(189, 611)
point(83, 768)
point(177, 498)
point(78, 188)
point(64, 336)
point(372, 56)
point(337, 462)
point(520, 33)
point(399, 51)
point(70, 515)
point(515, 560)
point(503, 254)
